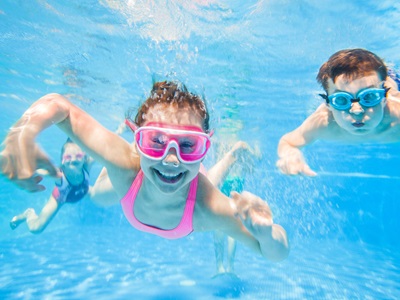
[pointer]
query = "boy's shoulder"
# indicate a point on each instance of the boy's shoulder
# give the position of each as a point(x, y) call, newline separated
point(393, 103)
point(321, 118)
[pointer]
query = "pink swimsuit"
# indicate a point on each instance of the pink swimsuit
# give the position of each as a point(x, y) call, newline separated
point(184, 228)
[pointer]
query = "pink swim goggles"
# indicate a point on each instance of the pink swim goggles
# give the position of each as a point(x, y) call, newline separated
point(154, 142)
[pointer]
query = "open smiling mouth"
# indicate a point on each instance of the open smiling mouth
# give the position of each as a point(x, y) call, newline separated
point(168, 177)
point(358, 124)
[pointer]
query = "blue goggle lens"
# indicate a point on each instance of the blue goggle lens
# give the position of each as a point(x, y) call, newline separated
point(367, 98)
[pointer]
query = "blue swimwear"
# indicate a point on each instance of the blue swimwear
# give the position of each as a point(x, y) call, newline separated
point(232, 183)
point(64, 192)
point(396, 77)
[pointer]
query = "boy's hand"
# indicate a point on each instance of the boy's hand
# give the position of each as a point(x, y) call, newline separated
point(294, 164)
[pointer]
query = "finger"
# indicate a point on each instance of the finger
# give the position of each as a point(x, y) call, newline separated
point(31, 184)
point(249, 196)
point(2, 162)
point(237, 199)
point(293, 169)
point(45, 164)
point(35, 186)
point(235, 195)
point(239, 205)
point(244, 202)
point(307, 171)
point(280, 166)
point(42, 172)
point(283, 167)
point(232, 202)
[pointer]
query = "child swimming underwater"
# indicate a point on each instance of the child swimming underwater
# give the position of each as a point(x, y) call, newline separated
point(220, 176)
point(161, 189)
point(362, 105)
point(72, 187)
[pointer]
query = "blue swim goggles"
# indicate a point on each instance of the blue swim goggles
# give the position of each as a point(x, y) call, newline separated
point(367, 98)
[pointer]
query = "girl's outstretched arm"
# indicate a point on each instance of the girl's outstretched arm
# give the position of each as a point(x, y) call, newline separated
point(245, 217)
point(21, 156)
point(256, 217)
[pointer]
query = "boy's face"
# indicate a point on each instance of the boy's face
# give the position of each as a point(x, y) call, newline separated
point(357, 119)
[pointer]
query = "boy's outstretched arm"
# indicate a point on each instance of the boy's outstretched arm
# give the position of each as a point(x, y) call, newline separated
point(291, 160)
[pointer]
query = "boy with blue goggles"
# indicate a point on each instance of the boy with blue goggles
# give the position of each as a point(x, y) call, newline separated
point(362, 105)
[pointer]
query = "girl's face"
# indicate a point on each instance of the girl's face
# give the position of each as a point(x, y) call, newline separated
point(170, 174)
point(73, 157)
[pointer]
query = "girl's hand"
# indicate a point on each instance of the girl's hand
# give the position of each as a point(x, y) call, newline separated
point(20, 161)
point(254, 213)
point(256, 216)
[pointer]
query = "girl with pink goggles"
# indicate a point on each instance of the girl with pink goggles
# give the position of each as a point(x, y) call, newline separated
point(155, 142)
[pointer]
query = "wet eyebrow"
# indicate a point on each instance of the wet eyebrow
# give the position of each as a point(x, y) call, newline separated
point(340, 91)
point(368, 87)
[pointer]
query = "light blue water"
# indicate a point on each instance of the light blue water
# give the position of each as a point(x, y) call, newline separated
point(256, 62)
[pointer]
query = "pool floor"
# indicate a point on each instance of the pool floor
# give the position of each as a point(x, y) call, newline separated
point(121, 263)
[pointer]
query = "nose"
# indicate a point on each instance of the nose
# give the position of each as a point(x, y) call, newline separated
point(356, 108)
point(171, 158)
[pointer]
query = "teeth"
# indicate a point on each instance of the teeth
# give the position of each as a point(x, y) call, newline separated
point(169, 175)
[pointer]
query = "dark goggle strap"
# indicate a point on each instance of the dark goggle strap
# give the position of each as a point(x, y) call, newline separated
point(386, 90)
point(325, 97)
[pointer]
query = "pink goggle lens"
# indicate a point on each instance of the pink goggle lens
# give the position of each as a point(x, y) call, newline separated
point(191, 146)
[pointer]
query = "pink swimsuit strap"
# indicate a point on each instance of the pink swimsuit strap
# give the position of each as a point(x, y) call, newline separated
point(184, 228)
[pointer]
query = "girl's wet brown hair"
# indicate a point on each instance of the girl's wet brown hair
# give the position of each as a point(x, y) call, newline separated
point(353, 63)
point(64, 146)
point(173, 93)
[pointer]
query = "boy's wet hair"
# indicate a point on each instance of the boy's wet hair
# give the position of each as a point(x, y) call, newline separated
point(173, 93)
point(353, 63)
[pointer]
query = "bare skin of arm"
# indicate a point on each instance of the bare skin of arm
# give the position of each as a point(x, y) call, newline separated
point(245, 217)
point(37, 223)
point(22, 156)
point(291, 160)
point(103, 193)
point(217, 174)
point(322, 125)
point(248, 219)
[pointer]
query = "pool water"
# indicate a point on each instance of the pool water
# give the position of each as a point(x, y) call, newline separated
point(118, 263)
point(255, 62)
